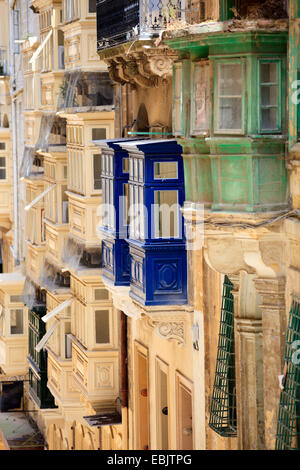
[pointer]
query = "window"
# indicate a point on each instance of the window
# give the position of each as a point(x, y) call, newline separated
point(230, 97)
point(102, 326)
point(98, 134)
point(2, 145)
point(101, 294)
point(97, 171)
point(165, 170)
point(269, 92)
point(200, 99)
point(166, 214)
point(16, 322)
point(2, 168)
point(15, 299)
point(92, 6)
point(177, 99)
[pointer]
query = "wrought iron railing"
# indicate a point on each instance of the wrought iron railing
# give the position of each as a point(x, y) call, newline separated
point(288, 422)
point(3, 62)
point(119, 21)
point(223, 417)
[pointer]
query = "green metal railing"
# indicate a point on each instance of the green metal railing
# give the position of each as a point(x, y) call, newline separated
point(288, 423)
point(223, 402)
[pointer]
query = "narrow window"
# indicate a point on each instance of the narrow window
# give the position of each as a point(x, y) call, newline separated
point(97, 171)
point(2, 168)
point(166, 214)
point(98, 134)
point(230, 98)
point(16, 322)
point(101, 294)
point(2, 145)
point(165, 170)
point(177, 99)
point(102, 326)
point(200, 99)
point(269, 97)
point(92, 6)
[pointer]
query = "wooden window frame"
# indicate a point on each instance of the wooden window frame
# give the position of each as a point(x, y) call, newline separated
point(278, 130)
point(218, 63)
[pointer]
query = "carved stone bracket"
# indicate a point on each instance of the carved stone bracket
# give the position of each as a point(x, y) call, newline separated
point(252, 252)
point(147, 68)
point(169, 326)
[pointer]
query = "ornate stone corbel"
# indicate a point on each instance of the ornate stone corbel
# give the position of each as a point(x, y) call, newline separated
point(168, 326)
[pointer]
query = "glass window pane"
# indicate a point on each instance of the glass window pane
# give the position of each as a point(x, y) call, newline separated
point(230, 80)
point(230, 113)
point(269, 118)
point(97, 171)
point(200, 104)
point(2, 174)
point(230, 97)
point(16, 322)
point(166, 214)
point(101, 294)
point(269, 95)
point(125, 165)
point(165, 170)
point(2, 162)
point(98, 134)
point(102, 326)
point(268, 72)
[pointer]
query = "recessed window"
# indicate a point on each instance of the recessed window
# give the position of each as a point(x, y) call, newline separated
point(200, 99)
point(126, 165)
point(98, 134)
point(165, 170)
point(230, 97)
point(269, 96)
point(102, 326)
point(15, 298)
point(16, 322)
point(2, 146)
point(92, 6)
point(2, 168)
point(101, 294)
point(97, 171)
point(166, 214)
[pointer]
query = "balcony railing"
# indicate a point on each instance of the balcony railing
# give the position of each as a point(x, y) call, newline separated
point(3, 62)
point(119, 21)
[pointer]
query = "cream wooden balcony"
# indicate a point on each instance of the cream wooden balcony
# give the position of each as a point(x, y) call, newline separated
point(80, 31)
point(95, 348)
point(13, 325)
point(59, 347)
point(5, 178)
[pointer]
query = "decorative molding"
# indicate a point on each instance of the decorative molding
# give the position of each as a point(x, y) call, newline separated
point(147, 68)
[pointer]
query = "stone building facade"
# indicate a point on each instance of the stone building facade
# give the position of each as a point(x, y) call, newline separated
point(139, 328)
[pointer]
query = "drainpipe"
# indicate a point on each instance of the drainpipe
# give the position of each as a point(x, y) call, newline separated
point(14, 140)
point(124, 362)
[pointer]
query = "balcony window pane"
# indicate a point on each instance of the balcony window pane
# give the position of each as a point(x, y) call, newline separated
point(102, 326)
point(269, 96)
point(165, 170)
point(230, 97)
point(97, 171)
point(177, 99)
point(200, 102)
point(101, 294)
point(98, 134)
point(166, 214)
point(16, 322)
point(92, 6)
